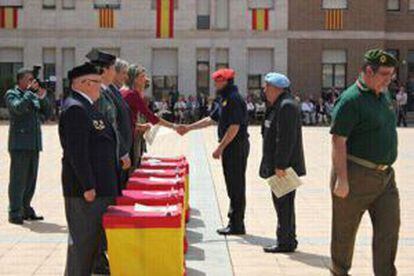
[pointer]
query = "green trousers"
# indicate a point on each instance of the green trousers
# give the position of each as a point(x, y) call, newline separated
point(375, 192)
point(22, 185)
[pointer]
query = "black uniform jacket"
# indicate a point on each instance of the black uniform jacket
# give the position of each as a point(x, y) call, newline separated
point(282, 137)
point(89, 149)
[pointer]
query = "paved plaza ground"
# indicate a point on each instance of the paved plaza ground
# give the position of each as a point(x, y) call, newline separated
point(39, 248)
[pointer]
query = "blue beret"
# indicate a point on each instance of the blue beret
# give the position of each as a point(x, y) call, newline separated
point(277, 80)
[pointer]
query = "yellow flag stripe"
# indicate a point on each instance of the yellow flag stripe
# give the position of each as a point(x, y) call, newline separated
point(260, 20)
point(165, 18)
point(334, 19)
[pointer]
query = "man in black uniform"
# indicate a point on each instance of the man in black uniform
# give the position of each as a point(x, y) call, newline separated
point(231, 116)
point(282, 149)
point(89, 174)
point(112, 105)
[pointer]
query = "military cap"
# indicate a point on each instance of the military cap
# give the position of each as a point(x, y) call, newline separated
point(277, 80)
point(224, 74)
point(381, 58)
point(82, 70)
point(101, 58)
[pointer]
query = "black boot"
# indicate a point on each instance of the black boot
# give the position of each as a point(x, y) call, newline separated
point(232, 230)
point(279, 249)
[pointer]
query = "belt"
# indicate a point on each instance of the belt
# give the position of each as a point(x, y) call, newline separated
point(367, 164)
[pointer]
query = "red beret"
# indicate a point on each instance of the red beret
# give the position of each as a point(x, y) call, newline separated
point(224, 74)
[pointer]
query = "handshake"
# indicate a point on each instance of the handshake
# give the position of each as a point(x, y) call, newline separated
point(182, 129)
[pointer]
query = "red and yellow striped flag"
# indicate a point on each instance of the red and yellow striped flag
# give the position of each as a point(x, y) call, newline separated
point(165, 18)
point(260, 19)
point(106, 18)
point(8, 17)
point(334, 19)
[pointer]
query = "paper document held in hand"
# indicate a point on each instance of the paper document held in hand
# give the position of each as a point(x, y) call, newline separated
point(283, 185)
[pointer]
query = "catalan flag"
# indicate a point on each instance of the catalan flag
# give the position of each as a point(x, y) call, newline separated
point(334, 19)
point(106, 18)
point(165, 18)
point(8, 17)
point(260, 19)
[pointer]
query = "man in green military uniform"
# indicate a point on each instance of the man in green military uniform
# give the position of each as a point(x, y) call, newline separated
point(364, 150)
point(28, 106)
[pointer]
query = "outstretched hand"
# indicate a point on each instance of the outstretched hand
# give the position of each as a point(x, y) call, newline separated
point(182, 129)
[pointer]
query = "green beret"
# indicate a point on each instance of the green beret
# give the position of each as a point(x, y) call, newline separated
point(381, 58)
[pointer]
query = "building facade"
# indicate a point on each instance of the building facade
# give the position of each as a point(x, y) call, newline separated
point(328, 38)
point(180, 42)
point(319, 43)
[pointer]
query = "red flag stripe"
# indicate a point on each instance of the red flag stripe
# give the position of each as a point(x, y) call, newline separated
point(254, 19)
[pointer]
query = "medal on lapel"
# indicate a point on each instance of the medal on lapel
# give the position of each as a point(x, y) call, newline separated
point(98, 124)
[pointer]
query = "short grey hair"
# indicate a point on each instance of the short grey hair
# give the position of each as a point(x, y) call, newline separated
point(121, 64)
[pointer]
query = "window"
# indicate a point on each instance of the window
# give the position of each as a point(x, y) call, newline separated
point(334, 64)
point(260, 4)
point(11, 60)
point(203, 14)
point(162, 85)
point(393, 5)
point(49, 64)
point(49, 4)
point(411, 5)
point(410, 62)
point(68, 4)
point(222, 14)
point(101, 4)
point(203, 71)
point(68, 62)
point(165, 71)
point(254, 85)
point(222, 58)
point(334, 4)
point(154, 4)
point(11, 3)
point(260, 62)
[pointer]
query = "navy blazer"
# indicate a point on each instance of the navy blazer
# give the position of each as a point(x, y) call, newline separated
point(89, 149)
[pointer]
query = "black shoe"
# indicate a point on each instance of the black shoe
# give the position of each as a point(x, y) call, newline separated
point(100, 272)
point(231, 231)
point(33, 217)
point(279, 249)
point(18, 220)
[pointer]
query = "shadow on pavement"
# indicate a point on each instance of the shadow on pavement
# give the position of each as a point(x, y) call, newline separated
point(194, 212)
point(194, 237)
point(310, 259)
point(195, 223)
point(194, 272)
point(46, 228)
point(195, 254)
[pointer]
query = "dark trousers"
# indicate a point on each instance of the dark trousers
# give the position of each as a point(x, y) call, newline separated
point(23, 176)
point(87, 241)
point(402, 115)
point(286, 221)
point(375, 192)
point(234, 161)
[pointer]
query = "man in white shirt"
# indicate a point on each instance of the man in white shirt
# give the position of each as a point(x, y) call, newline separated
point(402, 99)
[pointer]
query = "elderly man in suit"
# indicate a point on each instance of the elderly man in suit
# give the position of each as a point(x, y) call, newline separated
point(89, 171)
point(28, 106)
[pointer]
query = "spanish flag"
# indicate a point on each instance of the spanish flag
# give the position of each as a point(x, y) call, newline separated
point(260, 19)
point(334, 19)
point(165, 18)
point(106, 18)
point(8, 17)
